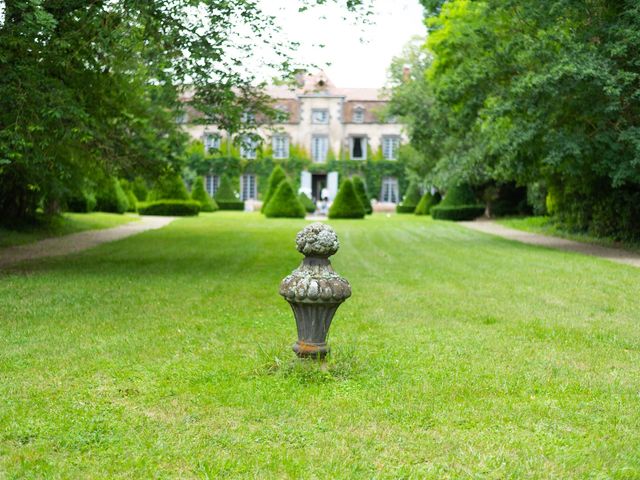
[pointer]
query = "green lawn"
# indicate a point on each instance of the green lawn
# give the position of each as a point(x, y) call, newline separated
point(460, 355)
point(62, 225)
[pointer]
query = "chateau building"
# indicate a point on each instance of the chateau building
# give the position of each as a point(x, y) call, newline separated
point(329, 123)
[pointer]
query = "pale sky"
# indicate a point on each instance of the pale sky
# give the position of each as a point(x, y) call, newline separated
point(359, 54)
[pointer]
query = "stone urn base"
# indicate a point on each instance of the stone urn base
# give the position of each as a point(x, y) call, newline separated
point(314, 290)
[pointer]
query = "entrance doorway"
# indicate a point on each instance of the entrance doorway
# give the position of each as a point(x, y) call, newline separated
point(318, 183)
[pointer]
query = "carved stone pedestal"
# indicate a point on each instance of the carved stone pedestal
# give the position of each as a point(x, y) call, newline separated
point(314, 290)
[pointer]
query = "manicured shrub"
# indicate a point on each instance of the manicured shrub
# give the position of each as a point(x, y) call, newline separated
point(277, 176)
point(170, 187)
point(139, 188)
point(307, 203)
point(459, 195)
point(225, 196)
point(133, 201)
point(111, 198)
point(81, 201)
point(347, 204)
point(457, 213)
point(361, 190)
point(173, 208)
point(410, 200)
point(285, 203)
point(199, 194)
point(426, 203)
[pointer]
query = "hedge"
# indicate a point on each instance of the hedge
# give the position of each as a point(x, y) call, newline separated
point(307, 203)
point(175, 208)
point(276, 177)
point(111, 198)
point(226, 198)
point(347, 204)
point(199, 194)
point(284, 203)
point(426, 203)
point(361, 190)
point(405, 208)
point(458, 212)
point(459, 195)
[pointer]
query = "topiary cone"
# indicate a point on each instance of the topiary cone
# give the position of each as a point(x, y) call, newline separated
point(346, 204)
point(277, 176)
point(285, 203)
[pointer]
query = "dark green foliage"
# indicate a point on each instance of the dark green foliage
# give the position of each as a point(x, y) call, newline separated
point(361, 190)
point(199, 194)
point(426, 203)
point(410, 200)
point(132, 200)
point(347, 204)
point(511, 200)
point(139, 188)
point(173, 208)
point(285, 203)
point(461, 194)
point(307, 203)
point(277, 176)
point(82, 202)
point(110, 197)
point(170, 187)
point(225, 196)
point(457, 213)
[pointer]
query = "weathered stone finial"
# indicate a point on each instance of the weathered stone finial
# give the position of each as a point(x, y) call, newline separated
point(314, 290)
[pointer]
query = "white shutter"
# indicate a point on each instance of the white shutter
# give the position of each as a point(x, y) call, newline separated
point(332, 185)
point(305, 183)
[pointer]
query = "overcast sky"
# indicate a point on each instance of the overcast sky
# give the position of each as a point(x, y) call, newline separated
point(359, 54)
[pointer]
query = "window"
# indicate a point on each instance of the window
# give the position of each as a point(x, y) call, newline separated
point(390, 146)
point(319, 115)
point(389, 191)
point(211, 184)
point(248, 187)
point(358, 115)
point(182, 118)
point(358, 148)
point(248, 117)
point(248, 147)
point(319, 148)
point(280, 146)
point(211, 142)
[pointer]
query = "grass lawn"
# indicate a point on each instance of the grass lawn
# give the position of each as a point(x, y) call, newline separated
point(62, 225)
point(460, 355)
point(546, 226)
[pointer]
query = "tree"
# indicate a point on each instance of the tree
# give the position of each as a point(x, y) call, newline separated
point(170, 187)
point(199, 194)
point(277, 176)
point(361, 190)
point(93, 89)
point(285, 203)
point(346, 204)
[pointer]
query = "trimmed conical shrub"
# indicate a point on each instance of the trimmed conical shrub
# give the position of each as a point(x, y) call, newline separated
point(346, 204)
point(199, 194)
point(459, 203)
point(226, 197)
point(277, 176)
point(111, 198)
point(361, 190)
point(459, 195)
point(306, 202)
point(410, 200)
point(170, 187)
point(285, 203)
point(426, 203)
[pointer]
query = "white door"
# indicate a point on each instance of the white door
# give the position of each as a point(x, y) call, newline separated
point(305, 183)
point(332, 185)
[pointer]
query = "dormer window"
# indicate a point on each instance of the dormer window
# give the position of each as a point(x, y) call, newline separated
point(320, 115)
point(358, 115)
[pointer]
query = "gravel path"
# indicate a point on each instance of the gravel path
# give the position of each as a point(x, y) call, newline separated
point(614, 254)
point(76, 242)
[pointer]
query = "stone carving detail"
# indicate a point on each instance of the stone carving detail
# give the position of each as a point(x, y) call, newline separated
point(314, 290)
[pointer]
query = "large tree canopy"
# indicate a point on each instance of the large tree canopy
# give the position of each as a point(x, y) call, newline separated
point(530, 91)
point(92, 88)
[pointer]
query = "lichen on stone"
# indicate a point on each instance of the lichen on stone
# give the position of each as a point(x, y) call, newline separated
point(317, 240)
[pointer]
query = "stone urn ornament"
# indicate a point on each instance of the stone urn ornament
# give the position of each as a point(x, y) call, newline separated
point(314, 290)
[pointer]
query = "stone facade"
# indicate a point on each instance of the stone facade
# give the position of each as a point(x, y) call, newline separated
point(328, 122)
